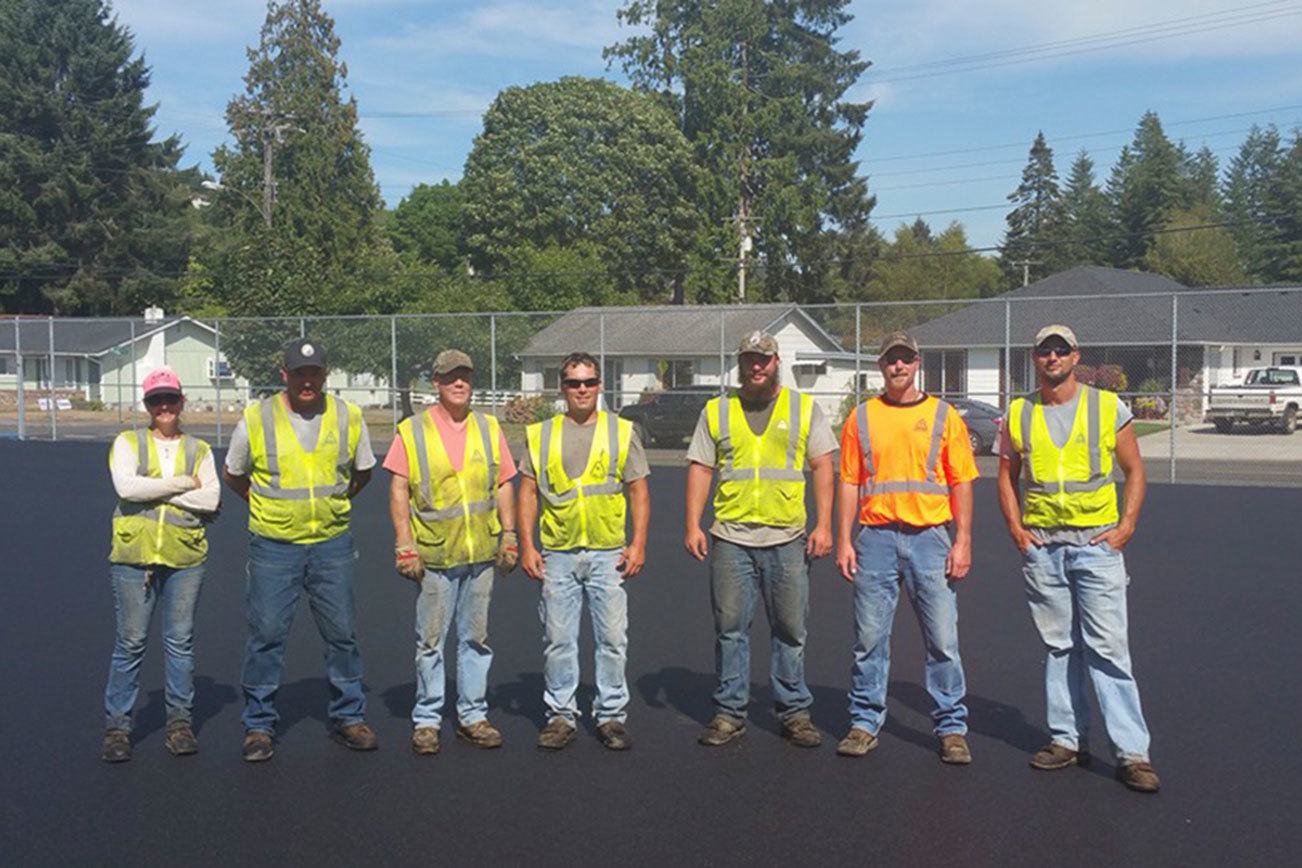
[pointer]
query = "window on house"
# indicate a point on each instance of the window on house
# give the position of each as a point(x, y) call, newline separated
point(4, 364)
point(552, 379)
point(69, 372)
point(945, 373)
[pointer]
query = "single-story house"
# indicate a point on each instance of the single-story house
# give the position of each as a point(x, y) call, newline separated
point(103, 360)
point(1122, 318)
point(652, 348)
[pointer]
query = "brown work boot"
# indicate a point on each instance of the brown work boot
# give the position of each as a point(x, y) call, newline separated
point(117, 746)
point(722, 729)
point(1055, 756)
point(258, 746)
point(356, 736)
point(857, 742)
point(954, 750)
point(180, 740)
point(481, 733)
point(800, 731)
point(556, 734)
point(1139, 775)
point(425, 740)
point(614, 735)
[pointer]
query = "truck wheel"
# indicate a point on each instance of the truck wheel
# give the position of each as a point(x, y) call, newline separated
point(1224, 426)
point(1288, 424)
point(640, 430)
point(975, 440)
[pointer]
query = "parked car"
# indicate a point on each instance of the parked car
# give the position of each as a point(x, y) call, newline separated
point(1267, 396)
point(984, 422)
point(668, 418)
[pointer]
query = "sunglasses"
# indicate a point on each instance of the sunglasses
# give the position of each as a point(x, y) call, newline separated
point(1060, 352)
point(160, 400)
point(590, 382)
point(455, 375)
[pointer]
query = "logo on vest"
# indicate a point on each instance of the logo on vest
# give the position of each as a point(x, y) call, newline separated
point(782, 425)
point(1080, 439)
point(921, 425)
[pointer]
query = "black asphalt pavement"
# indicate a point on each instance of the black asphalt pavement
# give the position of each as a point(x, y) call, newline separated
point(1215, 603)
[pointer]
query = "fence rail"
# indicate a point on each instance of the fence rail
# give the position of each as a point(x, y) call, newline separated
point(1166, 353)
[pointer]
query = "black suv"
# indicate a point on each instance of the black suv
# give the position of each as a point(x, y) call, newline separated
point(668, 418)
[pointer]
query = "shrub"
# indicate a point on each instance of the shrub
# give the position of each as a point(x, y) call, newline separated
point(1110, 377)
point(848, 403)
point(525, 410)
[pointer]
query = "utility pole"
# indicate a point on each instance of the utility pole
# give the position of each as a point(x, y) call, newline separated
point(271, 129)
point(1025, 265)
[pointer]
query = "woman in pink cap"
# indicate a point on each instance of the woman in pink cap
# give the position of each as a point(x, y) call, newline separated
point(167, 488)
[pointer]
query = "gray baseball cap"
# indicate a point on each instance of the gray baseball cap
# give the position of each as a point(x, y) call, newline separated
point(758, 342)
point(449, 360)
point(1057, 331)
point(304, 353)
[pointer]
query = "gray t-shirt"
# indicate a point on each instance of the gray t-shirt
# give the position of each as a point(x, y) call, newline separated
point(307, 428)
point(576, 448)
point(703, 450)
point(1060, 418)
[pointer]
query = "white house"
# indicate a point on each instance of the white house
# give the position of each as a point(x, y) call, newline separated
point(648, 349)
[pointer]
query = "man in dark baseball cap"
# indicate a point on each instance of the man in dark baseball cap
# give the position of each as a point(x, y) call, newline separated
point(304, 353)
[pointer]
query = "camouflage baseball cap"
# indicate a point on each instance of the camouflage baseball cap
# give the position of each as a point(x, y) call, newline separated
point(449, 360)
point(1056, 331)
point(758, 342)
point(897, 339)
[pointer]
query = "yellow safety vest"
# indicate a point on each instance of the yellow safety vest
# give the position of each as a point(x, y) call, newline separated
point(157, 532)
point(298, 496)
point(453, 515)
point(761, 478)
point(1071, 486)
point(587, 512)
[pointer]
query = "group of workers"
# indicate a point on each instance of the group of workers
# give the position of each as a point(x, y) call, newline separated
point(905, 480)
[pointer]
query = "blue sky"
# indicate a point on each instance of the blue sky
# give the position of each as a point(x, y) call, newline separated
point(1222, 57)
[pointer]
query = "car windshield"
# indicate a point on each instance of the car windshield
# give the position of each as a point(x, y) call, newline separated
point(1272, 377)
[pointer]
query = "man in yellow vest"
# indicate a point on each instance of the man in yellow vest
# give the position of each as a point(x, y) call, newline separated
point(759, 441)
point(1063, 441)
point(298, 458)
point(453, 513)
point(583, 464)
point(906, 472)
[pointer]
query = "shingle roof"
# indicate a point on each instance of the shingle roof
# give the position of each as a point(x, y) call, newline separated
point(78, 337)
point(665, 331)
point(1118, 320)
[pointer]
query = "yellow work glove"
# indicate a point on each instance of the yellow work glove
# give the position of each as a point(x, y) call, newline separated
point(408, 563)
point(508, 551)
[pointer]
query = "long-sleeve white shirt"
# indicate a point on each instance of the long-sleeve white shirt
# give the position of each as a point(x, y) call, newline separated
point(175, 490)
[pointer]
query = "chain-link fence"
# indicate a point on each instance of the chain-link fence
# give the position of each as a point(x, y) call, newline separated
point(1209, 376)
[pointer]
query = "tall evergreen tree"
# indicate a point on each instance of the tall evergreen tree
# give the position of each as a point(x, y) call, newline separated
point(759, 89)
point(1036, 210)
point(1248, 195)
point(1282, 254)
point(94, 216)
point(1144, 187)
point(1200, 185)
point(1080, 237)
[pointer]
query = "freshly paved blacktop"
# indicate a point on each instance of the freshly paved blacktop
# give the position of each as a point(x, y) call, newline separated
point(1215, 603)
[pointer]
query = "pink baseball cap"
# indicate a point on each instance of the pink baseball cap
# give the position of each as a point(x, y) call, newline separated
point(162, 380)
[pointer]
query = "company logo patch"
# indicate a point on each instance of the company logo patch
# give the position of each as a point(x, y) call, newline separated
point(921, 425)
point(307, 350)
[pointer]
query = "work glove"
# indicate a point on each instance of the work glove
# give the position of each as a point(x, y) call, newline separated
point(508, 551)
point(408, 563)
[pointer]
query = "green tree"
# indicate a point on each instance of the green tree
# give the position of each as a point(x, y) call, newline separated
point(917, 264)
point(1200, 185)
point(759, 89)
point(1144, 188)
point(1036, 212)
point(1195, 257)
point(94, 214)
point(1080, 237)
point(1282, 259)
point(427, 227)
point(580, 174)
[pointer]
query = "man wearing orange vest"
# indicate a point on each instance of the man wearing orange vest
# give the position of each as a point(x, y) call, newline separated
point(906, 471)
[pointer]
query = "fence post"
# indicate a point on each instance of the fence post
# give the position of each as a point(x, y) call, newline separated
point(302, 327)
point(1008, 352)
point(54, 418)
point(492, 360)
point(135, 380)
point(858, 344)
point(217, 366)
point(21, 373)
point(393, 357)
point(1175, 323)
point(723, 383)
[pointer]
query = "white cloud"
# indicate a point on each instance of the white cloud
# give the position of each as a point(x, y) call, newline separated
point(513, 28)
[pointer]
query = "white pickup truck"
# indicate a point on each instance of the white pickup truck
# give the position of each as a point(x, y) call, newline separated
point(1267, 396)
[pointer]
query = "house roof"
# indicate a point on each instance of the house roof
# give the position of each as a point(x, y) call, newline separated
point(667, 331)
point(1130, 315)
point(81, 337)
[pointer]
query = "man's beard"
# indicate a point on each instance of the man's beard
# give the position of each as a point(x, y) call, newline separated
point(1056, 379)
point(752, 388)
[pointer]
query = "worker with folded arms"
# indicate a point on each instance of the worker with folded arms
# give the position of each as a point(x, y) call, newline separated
point(453, 513)
point(167, 489)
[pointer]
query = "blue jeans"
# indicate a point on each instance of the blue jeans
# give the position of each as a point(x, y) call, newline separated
point(739, 575)
point(569, 576)
point(462, 592)
point(279, 573)
point(134, 600)
point(889, 555)
point(1077, 596)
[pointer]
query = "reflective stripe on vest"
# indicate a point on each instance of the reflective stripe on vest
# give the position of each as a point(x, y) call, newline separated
point(1055, 500)
point(588, 512)
point(275, 491)
point(789, 473)
point(1097, 478)
point(761, 476)
point(612, 485)
point(902, 486)
point(485, 504)
point(157, 532)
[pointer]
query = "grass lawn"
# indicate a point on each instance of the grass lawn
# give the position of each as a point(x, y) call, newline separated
point(1144, 426)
